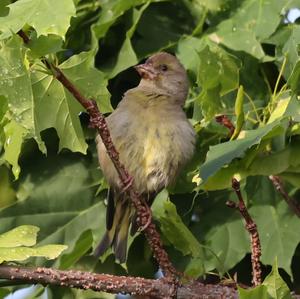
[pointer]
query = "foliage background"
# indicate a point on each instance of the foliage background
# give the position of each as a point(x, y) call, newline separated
point(49, 175)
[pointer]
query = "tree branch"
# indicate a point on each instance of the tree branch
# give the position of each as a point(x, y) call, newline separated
point(252, 229)
point(277, 182)
point(157, 288)
point(144, 217)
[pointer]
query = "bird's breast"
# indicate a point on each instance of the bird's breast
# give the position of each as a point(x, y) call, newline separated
point(154, 151)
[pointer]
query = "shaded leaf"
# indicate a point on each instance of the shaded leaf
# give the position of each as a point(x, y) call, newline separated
point(278, 233)
point(252, 22)
point(60, 187)
point(127, 56)
point(170, 21)
point(178, 234)
point(111, 11)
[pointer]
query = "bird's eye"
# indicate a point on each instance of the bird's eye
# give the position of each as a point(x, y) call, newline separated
point(163, 67)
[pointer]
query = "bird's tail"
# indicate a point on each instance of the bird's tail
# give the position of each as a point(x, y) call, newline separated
point(118, 217)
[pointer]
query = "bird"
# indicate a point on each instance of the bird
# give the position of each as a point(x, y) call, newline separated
point(154, 139)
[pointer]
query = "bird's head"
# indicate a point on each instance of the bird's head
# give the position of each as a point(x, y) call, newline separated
point(163, 73)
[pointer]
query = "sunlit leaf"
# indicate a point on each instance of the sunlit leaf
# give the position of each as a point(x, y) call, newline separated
point(22, 235)
point(46, 16)
point(276, 286)
point(222, 154)
point(12, 245)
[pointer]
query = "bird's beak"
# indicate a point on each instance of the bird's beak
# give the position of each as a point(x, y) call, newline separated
point(146, 71)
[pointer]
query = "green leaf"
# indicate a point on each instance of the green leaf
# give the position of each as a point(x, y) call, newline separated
point(218, 74)
point(222, 154)
point(56, 107)
point(111, 11)
point(286, 40)
point(7, 192)
point(227, 239)
point(15, 85)
point(45, 16)
point(276, 286)
point(238, 39)
point(22, 253)
point(45, 45)
point(239, 112)
point(252, 22)
point(170, 21)
point(187, 52)
point(127, 56)
point(276, 163)
point(58, 197)
point(217, 69)
point(83, 244)
point(15, 82)
point(254, 293)
point(14, 135)
point(3, 106)
point(278, 232)
point(12, 242)
point(214, 70)
point(24, 235)
point(177, 233)
point(214, 5)
point(295, 77)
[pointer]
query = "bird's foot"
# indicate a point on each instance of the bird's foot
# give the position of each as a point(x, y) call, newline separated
point(94, 122)
point(147, 214)
point(127, 184)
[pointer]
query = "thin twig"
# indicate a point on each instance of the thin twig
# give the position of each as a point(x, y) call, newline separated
point(277, 182)
point(252, 229)
point(155, 288)
point(226, 122)
point(144, 217)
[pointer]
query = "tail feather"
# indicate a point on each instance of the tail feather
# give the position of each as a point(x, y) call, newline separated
point(121, 236)
point(116, 234)
point(105, 243)
point(119, 215)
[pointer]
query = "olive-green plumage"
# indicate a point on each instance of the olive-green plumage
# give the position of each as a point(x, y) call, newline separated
point(154, 139)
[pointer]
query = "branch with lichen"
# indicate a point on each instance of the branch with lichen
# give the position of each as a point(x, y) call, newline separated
point(278, 184)
point(97, 121)
point(155, 288)
point(252, 229)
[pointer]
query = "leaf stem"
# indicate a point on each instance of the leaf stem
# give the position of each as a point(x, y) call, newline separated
point(279, 76)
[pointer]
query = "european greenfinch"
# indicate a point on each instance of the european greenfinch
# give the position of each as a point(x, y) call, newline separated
point(154, 139)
